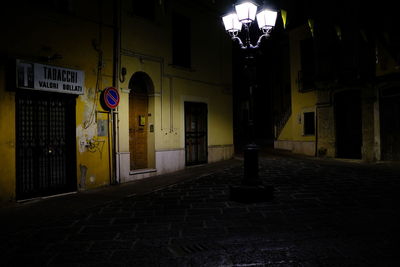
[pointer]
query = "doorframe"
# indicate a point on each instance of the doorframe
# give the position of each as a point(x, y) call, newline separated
point(151, 120)
point(206, 135)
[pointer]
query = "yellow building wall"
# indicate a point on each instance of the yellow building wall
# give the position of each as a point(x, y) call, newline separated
point(292, 135)
point(219, 110)
point(79, 42)
point(40, 33)
point(147, 47)
point(7, 140)
point(301, 102)
point(169, 116)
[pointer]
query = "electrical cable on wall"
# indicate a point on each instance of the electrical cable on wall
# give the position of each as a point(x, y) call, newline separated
point(99, 78)
point(92, 115)
point(95, 145)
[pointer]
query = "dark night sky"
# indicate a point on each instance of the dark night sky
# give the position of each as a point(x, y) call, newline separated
point(374, 14)
point(366, 14)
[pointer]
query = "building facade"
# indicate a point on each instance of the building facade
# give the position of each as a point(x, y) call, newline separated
point(344, 89)
point(295, 120)
point(176, 96)
point(94, 93)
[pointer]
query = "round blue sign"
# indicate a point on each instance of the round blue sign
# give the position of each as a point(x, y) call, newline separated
point(111, 97)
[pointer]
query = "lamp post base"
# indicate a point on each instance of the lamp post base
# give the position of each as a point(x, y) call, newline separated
point(250, 165)
point(252, 189)
point(251, 193)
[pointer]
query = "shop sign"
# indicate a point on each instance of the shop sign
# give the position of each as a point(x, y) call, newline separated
point(49, 78)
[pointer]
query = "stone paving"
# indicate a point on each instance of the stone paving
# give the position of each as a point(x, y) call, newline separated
point(324, 213)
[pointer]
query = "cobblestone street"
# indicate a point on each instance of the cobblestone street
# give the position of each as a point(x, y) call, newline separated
point(324, 213)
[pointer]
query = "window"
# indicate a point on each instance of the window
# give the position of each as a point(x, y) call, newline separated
point(181, 41)
point(144, 9)
point(309, 123)
point(307, 72)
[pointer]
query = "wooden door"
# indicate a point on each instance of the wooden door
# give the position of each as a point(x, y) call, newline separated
point(138, 104)
point(195, 133)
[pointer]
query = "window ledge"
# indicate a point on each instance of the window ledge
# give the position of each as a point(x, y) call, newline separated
point(141, 171)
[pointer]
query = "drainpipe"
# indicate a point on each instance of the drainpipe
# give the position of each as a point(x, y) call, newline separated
point(316, 130)
point(115, 162)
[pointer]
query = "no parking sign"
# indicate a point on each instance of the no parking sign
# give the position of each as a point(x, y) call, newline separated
point(111, 97)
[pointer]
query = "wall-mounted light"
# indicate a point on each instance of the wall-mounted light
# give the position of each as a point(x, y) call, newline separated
point(122, 75)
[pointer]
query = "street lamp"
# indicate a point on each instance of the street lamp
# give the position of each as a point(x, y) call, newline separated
point(251, 189)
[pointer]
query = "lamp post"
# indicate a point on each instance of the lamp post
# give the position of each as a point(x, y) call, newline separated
point(251, 189)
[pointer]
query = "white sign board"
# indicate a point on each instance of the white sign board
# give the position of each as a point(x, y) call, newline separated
point(42, 77)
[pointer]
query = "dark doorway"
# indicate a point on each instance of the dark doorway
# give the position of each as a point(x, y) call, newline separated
point(195, 133)
point(348, 124)
point(390, 127)
point(46, 147)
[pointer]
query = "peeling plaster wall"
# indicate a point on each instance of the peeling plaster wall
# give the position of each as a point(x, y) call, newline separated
point(92, 155)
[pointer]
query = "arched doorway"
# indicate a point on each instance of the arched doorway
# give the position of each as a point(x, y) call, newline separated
point(140, 122)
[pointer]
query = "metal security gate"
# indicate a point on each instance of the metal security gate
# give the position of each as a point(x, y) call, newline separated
point(195, 133)
point(45, 132)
